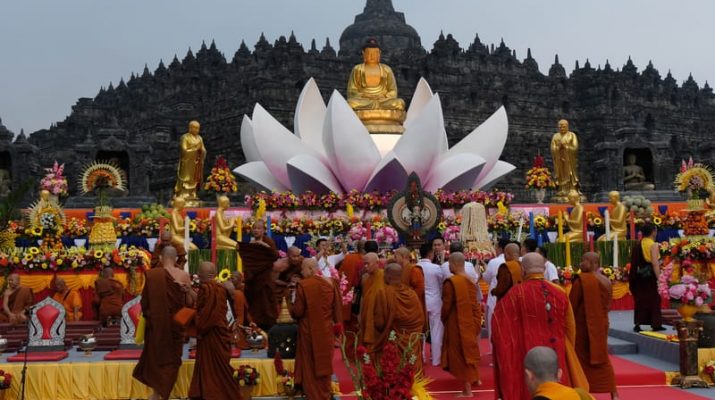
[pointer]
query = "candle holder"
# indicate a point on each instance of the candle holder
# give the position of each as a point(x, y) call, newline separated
point(688, 333)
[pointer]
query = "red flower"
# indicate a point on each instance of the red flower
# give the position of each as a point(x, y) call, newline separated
point(338, 329)
point(361, 351)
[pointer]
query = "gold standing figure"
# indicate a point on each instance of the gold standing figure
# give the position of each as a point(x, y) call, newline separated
point(564, 152)
point(191, 165)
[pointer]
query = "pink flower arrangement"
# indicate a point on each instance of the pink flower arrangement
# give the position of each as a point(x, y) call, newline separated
point(689, 290)
point(54, 181)
point(357, 232)
point(346, 292)
point(386, 235)
point(451, 233)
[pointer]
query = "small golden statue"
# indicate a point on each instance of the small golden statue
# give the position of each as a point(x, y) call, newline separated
point(191, 165)
point(177, 227)
point(633, 175)
point(617, 217)
point(564, 152)
point(575, 219)
point(224, 226)
point(372, 93)
point(48, 207)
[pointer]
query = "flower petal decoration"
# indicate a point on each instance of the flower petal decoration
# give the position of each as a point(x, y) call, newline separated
point(422, 96)
point(389, 174)
point(307, 173)
point(258, 173)
point(455, 172)
point(309, 116)
point(248, 142)
point(423, 140)
point(497, 172)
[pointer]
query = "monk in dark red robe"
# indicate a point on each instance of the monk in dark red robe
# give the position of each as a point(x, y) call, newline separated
point(404, 314)
point(534, 313)
point(16, 300)
point(591, 299)
point(165, 241)
point(285, 272)
point(258, 259)
point(509, 273)
point(462, 319)
point(213, 374)
point(165, 292)
point(240, 309)
point(317, 309)
point(108, 296)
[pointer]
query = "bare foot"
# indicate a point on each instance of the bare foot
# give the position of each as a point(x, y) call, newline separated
point(463, 394)
point(479, 382)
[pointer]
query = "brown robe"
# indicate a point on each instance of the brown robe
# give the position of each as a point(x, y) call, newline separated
point(260, 288)
point(242, 316)
point(316, 308)
point(160, 360)
point(371, 330)
point(213, 374)
point(590, 300)
point(19, 300)
point(462, 319)
point(414, 278)
point(405, 317)
point(285, 276)
point(156, 255)
point(70, 301)
point(108, 295)
point(351, 266)
point(508, 275)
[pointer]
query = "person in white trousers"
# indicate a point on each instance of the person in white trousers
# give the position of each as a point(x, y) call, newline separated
point(490, 276)
point(434, 278)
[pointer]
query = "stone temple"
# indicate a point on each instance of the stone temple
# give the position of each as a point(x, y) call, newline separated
point(615, 111)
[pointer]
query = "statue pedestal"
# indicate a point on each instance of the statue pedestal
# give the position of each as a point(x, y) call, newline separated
point(382, 121)
point(652, 195)
point(688, 333)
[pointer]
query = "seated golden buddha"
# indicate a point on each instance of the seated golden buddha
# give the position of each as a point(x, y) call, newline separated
point(372, 93)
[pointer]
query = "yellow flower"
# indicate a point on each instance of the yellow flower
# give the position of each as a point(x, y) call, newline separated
point(28, 257)
point(657, 220)
point(597, 221)
point(59, 261)
point(75, 264)
point(44, 265)
point(34, 251)
point(37, 231)
point(224, 275)
point(98, 253)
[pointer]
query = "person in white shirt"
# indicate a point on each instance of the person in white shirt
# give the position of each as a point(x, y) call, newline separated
point(551, 274)
point(438, 250)
point(326, 261)
point(490, 276)
point(434, 278)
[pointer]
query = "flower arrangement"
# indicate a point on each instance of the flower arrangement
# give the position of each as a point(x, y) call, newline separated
point(386, 235)
point(5, 380)
point(73, 258)
point(357, 232)
point(542, 222)
point(346, 292)
point(286, 379)
point(709, 369)
point(54, 181)
point(539, 176)
point(75, 227)
point(221, 179)
point(689, 249)
point(688, 290)
point(452, 233)
point(694, 179)
point(594, 221)
point(246, 375)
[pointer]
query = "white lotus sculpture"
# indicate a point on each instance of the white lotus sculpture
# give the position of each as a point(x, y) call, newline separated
point(332, 151)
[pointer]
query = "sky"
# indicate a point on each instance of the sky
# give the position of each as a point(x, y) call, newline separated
point(54, 52)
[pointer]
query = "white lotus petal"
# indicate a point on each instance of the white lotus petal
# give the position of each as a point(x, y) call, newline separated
point(248, 143)
point(276, 144)
point(500, 169)
point(455, 173)
point(309, 173)
point(422, 96)
point(487, 140)
point(258, 173)
point(351, 152)
point(309, 115)
point(421, 144)
point(389, 174)
point(385, 142)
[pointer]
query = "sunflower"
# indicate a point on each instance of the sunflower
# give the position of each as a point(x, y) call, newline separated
point(37, 231)
point(597, 221)
point(224, 275)
point(28, 257)
point(98, 254)
point(657, 220)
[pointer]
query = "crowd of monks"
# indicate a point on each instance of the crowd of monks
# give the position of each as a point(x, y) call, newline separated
point(432, 304)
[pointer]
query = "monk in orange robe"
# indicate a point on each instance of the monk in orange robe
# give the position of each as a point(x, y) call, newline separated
point(462, 319)
point(316, 309)
point(16, 300)
point(213, 374)
point(69, 298)
point(166, 290)
point(534, 313)
point(258, 263)
point(541, 368)
point(108, 296)
point(240, 309)
point(373, 288)
point(404, 314)
point(351, 266)
point(591, 299)
point(412, 274)
point(509, 273)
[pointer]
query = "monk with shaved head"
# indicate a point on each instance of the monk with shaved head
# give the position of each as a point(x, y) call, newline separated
point(509, 273)
point(373, 287)
point(240, 308)
point(462, 319)
point(69, 298)
point(285, 271)
point(16, 299)
point(108, 297)
point(590, 297)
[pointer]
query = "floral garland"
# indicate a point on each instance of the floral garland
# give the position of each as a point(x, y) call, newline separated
point(689, 249)
point(73, 259)
point(221, 179)
point(54, 181)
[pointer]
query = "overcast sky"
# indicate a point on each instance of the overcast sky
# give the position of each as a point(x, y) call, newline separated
point(54, 51)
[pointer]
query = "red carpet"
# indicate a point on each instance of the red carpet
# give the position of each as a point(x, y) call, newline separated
point(39, 356)
point(635, 381)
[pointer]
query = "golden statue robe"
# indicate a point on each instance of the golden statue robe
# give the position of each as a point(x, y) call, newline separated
point(564, 151)
point(382, 96)
point(224, 228)
point(191, 166)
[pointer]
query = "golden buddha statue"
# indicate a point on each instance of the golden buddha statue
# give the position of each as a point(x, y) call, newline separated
point(224, 226)
point(564, 152)
point(191, 165)
point(372, 93)
point(617, 217)
point(575, 219)
point(177, 225)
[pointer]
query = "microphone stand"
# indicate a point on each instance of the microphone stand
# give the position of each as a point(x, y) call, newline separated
point(30, 324)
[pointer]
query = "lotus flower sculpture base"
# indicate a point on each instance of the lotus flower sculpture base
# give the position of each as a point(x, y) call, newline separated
point(385, 142)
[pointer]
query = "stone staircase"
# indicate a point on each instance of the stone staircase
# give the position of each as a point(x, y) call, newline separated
point(107, 338)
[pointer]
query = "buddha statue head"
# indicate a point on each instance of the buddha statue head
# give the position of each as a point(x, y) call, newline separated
point(574, 197)
point(371, 52)
point(194, 128)
point(45, 195)
point(563, 126)
point(223, 202)
point(631, 159)
point(614, 197)
point(179, 203)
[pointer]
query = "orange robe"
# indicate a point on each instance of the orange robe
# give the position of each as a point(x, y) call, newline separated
point(260, 286)
point(405, 317)
point(70, 301)
point(160, 360)
point(316, 308)
point(156, 255)
point(18, 301)
point(413, 277)
point(213, 375)
point(242, 316)
point(590, 300)
point(351, 266)
point(508, 275)
point(462, 319)
point(109, 298)
point(522, 321)
point(373, 287)
point(556, 391)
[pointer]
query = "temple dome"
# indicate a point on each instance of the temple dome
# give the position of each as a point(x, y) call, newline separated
point(379, 20)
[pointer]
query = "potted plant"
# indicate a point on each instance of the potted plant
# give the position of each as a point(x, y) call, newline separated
point(221, 180)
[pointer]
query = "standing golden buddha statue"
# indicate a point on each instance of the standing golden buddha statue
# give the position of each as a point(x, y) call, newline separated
point(372, 93)
point(191, 165)
point(564, 152)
